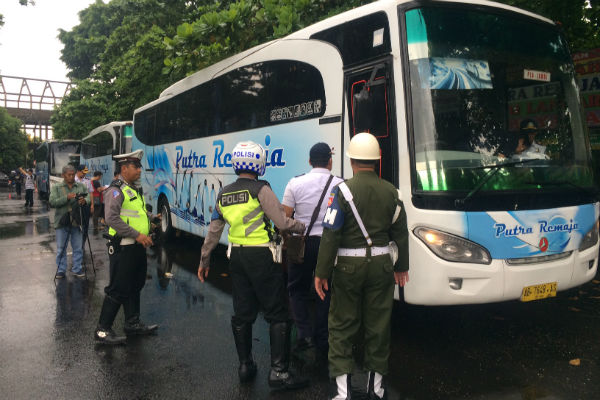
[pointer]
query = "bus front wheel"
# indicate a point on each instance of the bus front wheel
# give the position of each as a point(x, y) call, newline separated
point(166, 228)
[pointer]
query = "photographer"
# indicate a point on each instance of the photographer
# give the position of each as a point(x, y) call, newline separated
point(67, 198)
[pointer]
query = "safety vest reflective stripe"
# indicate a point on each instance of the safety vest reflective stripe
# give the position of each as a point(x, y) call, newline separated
point(133, 211)
point(248, 217)
point(255, 225)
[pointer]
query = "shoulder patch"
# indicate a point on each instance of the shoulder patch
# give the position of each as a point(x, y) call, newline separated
point(334, 216)
point(115, 193)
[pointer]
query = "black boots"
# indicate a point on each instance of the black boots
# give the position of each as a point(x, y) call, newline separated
point(376, 389)
point(280, 376)
point(242, 335)
point(133, 325)
point(341, 388)
point(104, 334)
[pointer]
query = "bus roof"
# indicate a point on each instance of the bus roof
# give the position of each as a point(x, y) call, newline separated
point(212, 71)
point(108, 127)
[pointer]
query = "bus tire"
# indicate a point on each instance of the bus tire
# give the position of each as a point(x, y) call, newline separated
point(166, 227)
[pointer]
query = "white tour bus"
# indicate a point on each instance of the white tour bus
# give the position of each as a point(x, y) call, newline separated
point(495, 212)
point(102, 143)
point(50, 158)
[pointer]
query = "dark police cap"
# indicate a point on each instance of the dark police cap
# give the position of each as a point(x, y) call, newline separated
point(82, 168)
point(320, 152)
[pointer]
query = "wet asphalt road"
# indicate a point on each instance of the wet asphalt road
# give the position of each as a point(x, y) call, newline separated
point(496, 351)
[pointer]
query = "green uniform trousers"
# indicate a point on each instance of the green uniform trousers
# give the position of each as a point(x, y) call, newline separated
point(362, 293)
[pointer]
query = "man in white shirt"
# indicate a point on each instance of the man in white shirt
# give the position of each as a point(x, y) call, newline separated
point(301, 196)
point(528, 148)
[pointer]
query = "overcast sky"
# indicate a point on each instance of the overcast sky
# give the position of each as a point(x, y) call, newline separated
point(29, 45)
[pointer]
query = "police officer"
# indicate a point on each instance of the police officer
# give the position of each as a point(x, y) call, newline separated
point(129, 227)
point(363, 216)
point(249, 205)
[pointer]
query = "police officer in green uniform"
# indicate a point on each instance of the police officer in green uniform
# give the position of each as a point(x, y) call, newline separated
point(365, 229)
point(249, 205)
point(129, 228)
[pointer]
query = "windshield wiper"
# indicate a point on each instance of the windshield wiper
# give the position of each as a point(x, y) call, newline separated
point(592, 193)
point(460, 203)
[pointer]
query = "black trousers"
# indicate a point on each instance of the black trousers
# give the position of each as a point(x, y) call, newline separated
point(128, 269)
point(258, 283)
point(300, 281)
point(28, 197)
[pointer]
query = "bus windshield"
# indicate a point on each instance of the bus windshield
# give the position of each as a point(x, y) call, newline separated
point(64, 154)
point(490, 89)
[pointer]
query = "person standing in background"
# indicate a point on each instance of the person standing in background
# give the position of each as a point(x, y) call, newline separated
point(97, 199)
point(30, 186)
point(88, 209)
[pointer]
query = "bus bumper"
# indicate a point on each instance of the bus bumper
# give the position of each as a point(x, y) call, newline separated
point(434, 281)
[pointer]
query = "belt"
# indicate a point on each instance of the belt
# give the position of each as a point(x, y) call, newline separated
point(127, 241)
point(250, 245)
point(375, 251)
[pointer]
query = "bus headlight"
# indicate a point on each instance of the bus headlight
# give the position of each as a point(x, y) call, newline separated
point(590, 239)
point(453, 248)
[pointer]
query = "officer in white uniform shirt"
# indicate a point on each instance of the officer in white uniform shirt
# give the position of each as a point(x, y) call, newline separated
point(301, 197)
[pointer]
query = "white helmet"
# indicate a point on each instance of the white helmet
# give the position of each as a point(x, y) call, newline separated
point(364, 146)
point(249, 157)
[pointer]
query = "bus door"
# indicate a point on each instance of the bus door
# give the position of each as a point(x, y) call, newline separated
point(369, 93)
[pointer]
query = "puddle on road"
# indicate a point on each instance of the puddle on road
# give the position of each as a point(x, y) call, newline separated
point(36, 226)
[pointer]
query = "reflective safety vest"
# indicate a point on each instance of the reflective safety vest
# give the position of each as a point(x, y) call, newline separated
point(133, 211)
point(241, 209)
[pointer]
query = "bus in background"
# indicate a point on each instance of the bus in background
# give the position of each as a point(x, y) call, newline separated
point(102, 143)
point(479, 122)
point(50, 158)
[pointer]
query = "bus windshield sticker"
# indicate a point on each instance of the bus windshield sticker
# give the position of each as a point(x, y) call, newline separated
point(296, 111)
point(378, 37)
point(416, 33)
point(536, 75)
point(454, 73)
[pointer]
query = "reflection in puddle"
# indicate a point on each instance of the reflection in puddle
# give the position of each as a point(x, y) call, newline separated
point(37, 226)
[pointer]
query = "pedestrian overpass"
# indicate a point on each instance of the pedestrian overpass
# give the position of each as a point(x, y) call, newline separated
point(32, 101)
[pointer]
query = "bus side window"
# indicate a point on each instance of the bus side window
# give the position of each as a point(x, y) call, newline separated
point(369, 107)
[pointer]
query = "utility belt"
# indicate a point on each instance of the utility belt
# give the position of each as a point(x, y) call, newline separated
point(391, 249)
point(115, 243)
point(276, 249)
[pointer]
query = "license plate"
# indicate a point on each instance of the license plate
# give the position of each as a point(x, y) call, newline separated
point(538, 292)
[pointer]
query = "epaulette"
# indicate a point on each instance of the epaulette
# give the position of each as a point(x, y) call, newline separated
point(264, 182)
point(297, 176)
point(117, 183)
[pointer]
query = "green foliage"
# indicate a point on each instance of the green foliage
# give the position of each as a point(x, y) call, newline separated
point(222, 30)
point(580, 22)
point(13, 142)
point(115, 56)
point(88, 105)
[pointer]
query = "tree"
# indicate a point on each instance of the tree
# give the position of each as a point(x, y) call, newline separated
point(579, 19)
point(13, 142)
point(222, 30)
point(115, 56)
